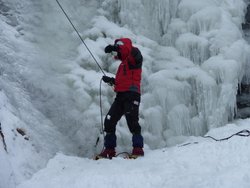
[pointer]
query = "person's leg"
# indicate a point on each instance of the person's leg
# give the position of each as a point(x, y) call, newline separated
point(111, 119)
point(132, 117)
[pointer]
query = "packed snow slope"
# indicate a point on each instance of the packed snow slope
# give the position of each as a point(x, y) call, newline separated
point(194, 53)
point(206, 164)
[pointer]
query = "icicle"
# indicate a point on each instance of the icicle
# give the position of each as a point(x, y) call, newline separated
point(193, 47)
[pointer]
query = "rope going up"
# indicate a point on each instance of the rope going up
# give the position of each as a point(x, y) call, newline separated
point(102, 129)
point(80, 37)
point(244, 133)
point(2, 135)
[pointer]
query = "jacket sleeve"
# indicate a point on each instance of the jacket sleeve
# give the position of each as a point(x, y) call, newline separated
point(135, 59)
point(136, 53)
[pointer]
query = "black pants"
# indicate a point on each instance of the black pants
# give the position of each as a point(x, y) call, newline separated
point(126, 103)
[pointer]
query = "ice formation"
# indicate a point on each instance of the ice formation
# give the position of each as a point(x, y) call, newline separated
point(194, 58)
point(193, 82)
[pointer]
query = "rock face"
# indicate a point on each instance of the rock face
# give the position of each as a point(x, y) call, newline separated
point(243, 96)
point(243, 101)
point(246, 25)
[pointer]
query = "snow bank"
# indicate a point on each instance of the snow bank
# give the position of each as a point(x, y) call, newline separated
point(6, 172)
point(204, 164)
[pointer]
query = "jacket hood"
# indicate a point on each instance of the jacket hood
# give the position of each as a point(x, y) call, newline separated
point(124, 48)
point(126, 42)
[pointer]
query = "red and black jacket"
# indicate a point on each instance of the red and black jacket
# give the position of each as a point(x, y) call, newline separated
point(128, 76)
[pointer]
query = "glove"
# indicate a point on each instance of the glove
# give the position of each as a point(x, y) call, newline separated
point(108, 80)
point(110, 48)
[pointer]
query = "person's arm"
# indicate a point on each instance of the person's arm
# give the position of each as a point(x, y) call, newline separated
point(111, 48)
point(109, 80)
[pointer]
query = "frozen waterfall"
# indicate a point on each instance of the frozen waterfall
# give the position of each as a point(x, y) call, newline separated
point(194, 52)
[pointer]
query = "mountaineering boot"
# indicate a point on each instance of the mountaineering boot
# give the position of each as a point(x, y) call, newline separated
point(107, 153)
point(109, 144)
point(136, 152)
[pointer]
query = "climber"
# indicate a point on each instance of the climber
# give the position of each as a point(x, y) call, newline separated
point(127, 87)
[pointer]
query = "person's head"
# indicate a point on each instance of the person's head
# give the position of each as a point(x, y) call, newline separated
point(125, 46)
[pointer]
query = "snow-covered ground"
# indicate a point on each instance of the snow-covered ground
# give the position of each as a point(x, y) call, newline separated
point(195, 55)
point(206, 164)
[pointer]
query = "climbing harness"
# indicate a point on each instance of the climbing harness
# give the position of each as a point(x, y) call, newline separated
point(244, 133)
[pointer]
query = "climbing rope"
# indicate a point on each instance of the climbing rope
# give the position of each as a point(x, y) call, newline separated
point(125, 154)
point(102, 126)
point(80, 36)
point(244, 133)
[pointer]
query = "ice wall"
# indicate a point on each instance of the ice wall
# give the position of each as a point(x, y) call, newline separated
point(190, 80)
point(190, 49)
point(194, 58)
point(34, 55)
